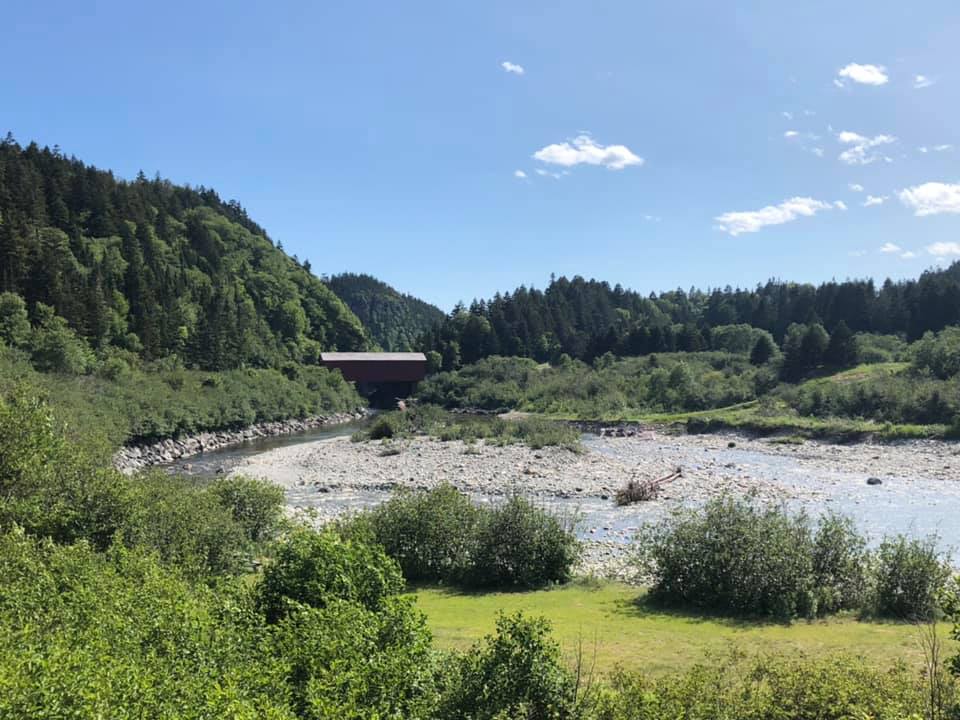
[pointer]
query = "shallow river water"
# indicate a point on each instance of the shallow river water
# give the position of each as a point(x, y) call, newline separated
point(913, 505)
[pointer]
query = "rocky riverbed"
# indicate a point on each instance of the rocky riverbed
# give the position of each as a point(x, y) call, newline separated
point(916, 490)
point(135, 457)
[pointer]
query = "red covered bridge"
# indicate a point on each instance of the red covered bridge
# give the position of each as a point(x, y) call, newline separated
point(381, 377)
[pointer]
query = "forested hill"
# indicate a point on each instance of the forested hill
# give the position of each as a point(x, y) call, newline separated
point(396, 321)
point(158, 269)
point(587, 318)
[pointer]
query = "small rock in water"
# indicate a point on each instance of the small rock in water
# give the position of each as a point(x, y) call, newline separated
point(874, 481)
point(731, 444)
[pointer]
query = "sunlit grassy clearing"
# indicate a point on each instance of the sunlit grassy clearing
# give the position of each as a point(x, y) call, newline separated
point(610, 623)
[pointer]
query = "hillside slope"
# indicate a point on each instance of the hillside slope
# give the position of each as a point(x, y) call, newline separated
point(158, 269)
point(394, 320)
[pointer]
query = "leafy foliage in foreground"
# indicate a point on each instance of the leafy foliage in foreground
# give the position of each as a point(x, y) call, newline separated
point(735, 687)
point(738, 557)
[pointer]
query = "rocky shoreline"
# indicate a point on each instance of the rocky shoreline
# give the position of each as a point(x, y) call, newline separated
point(136, 457)
point(918, 494)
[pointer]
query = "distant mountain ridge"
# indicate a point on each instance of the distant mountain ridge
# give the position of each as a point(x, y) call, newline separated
point(158, 269)
point(395, 320)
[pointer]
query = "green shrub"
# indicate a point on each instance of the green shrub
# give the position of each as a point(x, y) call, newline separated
point(519, 545)
point(430, 534)
point(52, 487)
point(187, 526)
point(840, 564)
point(311, 568)
point(736, 687)
point(345, 662)
point(118, 635)
point(908, 577)
point(257, 505)
point(734, 556)
point(515, 673)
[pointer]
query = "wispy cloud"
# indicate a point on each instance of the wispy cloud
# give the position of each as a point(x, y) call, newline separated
point(583, 150)
point(737, 223)
point(856, 187)
point(944, 249)
point(787, 115)
point(922, 81)
point(862, 74)
point(908, 255)
point(889, 248)
point(839, 204)
point(932, 198)
point(512, 67)
point(520, 174)
point(873, 200)
point(861, 150)
point(791, 134)
point(936, 148)
point(857, 253)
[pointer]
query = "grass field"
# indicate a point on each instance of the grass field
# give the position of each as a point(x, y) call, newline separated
point(618, 630)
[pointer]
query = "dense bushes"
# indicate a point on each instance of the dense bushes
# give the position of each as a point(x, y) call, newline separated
point(735, 687)
point(909, 574)
point(430, 420)
point(656, 383)
point(441, 536)
point(311, 568)
point(522, 546)
point(515, 673)
point(134, 402)
point(735, 556)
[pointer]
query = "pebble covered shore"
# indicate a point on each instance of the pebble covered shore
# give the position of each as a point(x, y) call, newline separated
point(319, 476)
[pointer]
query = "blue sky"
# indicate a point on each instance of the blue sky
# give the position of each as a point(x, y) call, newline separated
point(652, 138)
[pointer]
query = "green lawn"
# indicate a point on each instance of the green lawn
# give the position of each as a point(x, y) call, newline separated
point(609, 619)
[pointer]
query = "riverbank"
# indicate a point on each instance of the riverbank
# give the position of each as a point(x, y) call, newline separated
point(137, 457)
point(917, 491)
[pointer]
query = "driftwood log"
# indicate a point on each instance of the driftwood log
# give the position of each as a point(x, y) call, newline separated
point(642, 490)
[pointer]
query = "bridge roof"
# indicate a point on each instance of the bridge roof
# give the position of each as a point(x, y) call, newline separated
point(372, 357)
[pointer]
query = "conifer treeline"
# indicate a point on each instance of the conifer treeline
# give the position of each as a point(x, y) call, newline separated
point(157, 268)
point(587, 318)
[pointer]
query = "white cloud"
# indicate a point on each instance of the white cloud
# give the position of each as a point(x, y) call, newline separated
point(736, 223)
point(936, 148)
point(922, 81)
point(652, 218)
point(942, 249)
point(809, 113)
point(863, 74)
point(889, 247)
point(512, 67)
point(519, 174)
point(787, 115)
point(840, 205)
point(932, 198)
point(908, 255)
point(818, 151)
point(874, 200)
point(791, 134)
point(861, 150)
point(856, 187)
point(582, 150)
